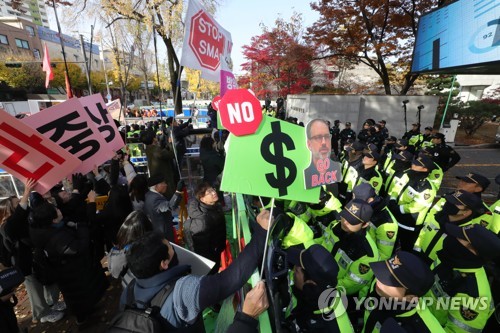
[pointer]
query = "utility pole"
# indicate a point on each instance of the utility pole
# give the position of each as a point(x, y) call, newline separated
point(87, 72)
point(108, 96)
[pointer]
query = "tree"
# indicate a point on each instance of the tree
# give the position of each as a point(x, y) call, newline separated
point(28, 77)
point(145, 58)
point(473, 114)
point(278, 60)
point(202, 88)
point(376, 33)
point(440, 85)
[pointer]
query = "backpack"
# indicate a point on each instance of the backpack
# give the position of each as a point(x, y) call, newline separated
point(148, 319)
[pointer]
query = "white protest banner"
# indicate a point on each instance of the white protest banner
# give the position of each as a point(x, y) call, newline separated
point(114, 109)
point(69, 125)
point(96, 109)
point(206, 43)
point(199, 265)
point(25, 153)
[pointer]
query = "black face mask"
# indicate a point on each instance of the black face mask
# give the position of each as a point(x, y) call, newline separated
point(442, 218)
point(455, 255)
point(401, 165)
point(412, 174)
point(450, 208)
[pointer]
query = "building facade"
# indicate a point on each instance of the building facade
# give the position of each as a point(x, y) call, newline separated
point(34, 11)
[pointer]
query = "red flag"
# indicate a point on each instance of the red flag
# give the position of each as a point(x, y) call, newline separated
point(46, 66)
point(68, 86)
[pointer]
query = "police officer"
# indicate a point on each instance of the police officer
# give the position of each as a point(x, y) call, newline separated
point(460, 275)
point(460, 208)
point(346, 134)
point(414, 137)
point(411, 194)
point(351, 166)
point(335, 133)
point(383, 129)
point(445, 156)
point(352, 247)
point(365, 133)
point(367, 174)
point(399, 162)
point(427, 136)
point(400, 281)
point(315, 271)
point(383, 227)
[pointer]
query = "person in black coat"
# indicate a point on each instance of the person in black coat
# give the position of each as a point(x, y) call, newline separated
point(211, 160)
point(205, 229)
point(67, 249)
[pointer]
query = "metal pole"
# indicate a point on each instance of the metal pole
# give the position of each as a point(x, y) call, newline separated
point(90, 55)
point(62, 43)
point(448, 101)
point(108, 97)
point(87, 74)
point(406, 122)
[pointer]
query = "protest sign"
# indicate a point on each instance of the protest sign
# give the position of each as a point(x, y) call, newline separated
point(69, 125)
point(96, 109)
point(25, 153)
point(199, 265)
point(269, 163)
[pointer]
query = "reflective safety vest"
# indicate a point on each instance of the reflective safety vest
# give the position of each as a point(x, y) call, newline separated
point(340, 314)
point(354, 178)
point(385, 233)
point(494, 224)
point(354, 275)
point(300, 233)
point(463, 312)
point(420, 314)
point(436, 176)
point(415, 140)
point(387, 164)
point(415, 201)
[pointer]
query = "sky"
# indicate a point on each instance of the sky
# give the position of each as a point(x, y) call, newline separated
point(243, 17)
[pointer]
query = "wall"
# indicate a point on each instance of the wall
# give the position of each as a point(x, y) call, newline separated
point(357, 108)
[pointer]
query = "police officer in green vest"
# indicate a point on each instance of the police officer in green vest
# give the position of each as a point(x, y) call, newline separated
point(383, 227)
point(350, 168)
point(368, 173)
point(494, 225)
point(320, 308)
point(399, 284)
point(460, 279)
point(414, 137)
point(352, 247)
point(460, 208)
point(400, 162)
point(411, 195)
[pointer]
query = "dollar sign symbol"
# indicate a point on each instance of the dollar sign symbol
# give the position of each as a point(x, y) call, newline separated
point(278, 138)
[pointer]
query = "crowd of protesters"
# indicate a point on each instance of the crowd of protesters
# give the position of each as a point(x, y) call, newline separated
point(380, 232)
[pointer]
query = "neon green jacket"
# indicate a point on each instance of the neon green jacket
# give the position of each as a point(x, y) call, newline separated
point(469, 309)
point(384, 230)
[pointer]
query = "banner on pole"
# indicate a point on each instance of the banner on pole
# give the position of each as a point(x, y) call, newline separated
point(206, 43)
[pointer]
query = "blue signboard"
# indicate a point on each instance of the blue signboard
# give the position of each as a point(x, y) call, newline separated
point(53, 36)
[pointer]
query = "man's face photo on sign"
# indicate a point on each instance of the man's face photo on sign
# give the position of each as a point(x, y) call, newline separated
point(322, 170)
point(318, 140)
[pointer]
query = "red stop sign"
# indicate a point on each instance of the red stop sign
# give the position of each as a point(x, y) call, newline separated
point(240, 112)
point(216, 102)
point(206, 41)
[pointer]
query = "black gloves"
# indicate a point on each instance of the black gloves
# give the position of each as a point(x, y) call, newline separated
point(78, 181)
point(180, 186)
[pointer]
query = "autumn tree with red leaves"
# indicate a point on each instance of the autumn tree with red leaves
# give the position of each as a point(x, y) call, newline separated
point(278, 60)
point(378, 33)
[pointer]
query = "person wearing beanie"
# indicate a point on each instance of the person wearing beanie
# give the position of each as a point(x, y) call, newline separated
point(400, 282)
point(411, 194)
point(461, 280)
point(352, 247)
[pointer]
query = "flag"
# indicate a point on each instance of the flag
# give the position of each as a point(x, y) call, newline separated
point(68, 86)
point(46, 66)
point(227, 79)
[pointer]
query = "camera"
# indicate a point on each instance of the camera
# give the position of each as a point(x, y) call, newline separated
point(406, 101)
point(420, 107)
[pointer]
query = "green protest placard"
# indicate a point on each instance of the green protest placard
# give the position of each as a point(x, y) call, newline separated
point(269, 163)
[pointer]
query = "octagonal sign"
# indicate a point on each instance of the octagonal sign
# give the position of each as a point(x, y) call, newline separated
point(216, 102)
point(240, 112)
point(206, 41)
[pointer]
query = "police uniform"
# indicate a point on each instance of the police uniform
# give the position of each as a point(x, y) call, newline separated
point(411, 195)
point(364, 175)
point(346, 134)
point(412, 273)
point(399, 162)
point(414, 138)
point(352, 251)
point(313, 313)
point(460, 275)
point(431, 237)
point(445, 156)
